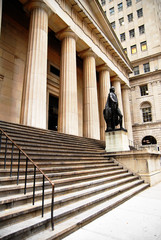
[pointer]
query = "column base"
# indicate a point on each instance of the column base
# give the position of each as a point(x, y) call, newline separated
point(117, 140)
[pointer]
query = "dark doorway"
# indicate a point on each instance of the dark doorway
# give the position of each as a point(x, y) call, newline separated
point(53, 113)
point(149, 140)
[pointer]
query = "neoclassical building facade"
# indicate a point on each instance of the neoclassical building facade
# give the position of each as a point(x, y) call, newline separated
point(58, 61)
point(137, 24)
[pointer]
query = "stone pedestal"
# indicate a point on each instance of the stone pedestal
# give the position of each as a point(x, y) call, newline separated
point(117, 141)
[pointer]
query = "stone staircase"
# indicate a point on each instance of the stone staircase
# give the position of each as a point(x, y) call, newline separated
point(87, 183)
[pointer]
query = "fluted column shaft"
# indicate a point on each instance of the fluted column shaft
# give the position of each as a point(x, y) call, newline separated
point(34, 102)
point(68, 102)
point(127, 112)
point(91, 114)
point(0, 15)
point(104, 80)
point(156, 87)
point(117, 86)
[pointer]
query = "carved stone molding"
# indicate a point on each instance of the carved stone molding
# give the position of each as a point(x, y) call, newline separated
point(32, 4)
point(67, 32)
point(103, 67)
point(87, 53)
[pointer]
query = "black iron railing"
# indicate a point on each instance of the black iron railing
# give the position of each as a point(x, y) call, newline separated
point(36, 168)
point(133, 145)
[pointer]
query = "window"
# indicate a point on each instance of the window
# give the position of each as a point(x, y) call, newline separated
point(132, 33)
point(103, 2)
point(144, 90)
point(146, 67)
point(149, 140)
point(140, 12)
point(112, 11)
point(147, 114)
point(113, 25)
point(136, 70)
point(143, 46)
point(130, 17)
point(125, 50)
point(133, 49)
point(54, 70)
point(141, 29)
point(138, 1)
point(122, 37)
point(105, 12)
point(121, 21)
point(110, 0)
point(120, 6)
point(128, 3)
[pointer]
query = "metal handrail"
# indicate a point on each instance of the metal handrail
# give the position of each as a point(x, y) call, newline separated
point(142, 147)
point(35, 167)
point(133, 144)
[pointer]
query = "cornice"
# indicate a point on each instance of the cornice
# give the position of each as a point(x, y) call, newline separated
point(145, 75)
point(118, 50)
point(146, 58)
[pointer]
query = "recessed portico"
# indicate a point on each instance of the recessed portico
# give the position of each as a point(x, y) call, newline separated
point(82, 88)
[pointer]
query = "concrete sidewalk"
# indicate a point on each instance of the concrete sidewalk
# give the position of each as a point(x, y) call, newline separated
point(137, 219)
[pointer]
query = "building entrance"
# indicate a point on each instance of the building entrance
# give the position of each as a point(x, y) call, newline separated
point(53, 113)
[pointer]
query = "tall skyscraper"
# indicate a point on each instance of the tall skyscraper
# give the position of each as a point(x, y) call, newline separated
point(137, 24)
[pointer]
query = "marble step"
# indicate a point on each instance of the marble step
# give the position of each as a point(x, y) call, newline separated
point(56, 163)
point(8, 188)
point(61, 200)
point(66, 227)
point(42, 134)
point(59, 175)
point(51, 168)
point(7, 202)
point(16, 230)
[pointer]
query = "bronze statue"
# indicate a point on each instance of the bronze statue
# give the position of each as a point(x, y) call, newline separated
point(112, 113)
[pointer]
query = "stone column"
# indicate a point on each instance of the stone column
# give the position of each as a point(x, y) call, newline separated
point(34, 92)
point(156, 87)
point(117, 84)
point(91, 114)
point(127, 111)
point(0, 15)
point(104, 81)
point(68, 102)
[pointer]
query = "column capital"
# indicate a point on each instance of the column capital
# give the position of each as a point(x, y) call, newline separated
point(67, 32)
point(32, 4)
point(87, 53)
point(103, 67)
point(126, 87)
point(116, 79)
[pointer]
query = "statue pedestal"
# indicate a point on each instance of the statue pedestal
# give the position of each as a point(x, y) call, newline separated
point(117, 140)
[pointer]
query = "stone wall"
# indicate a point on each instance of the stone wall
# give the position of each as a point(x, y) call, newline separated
point(144, 163)
point(13, 47)
point(140, 131)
